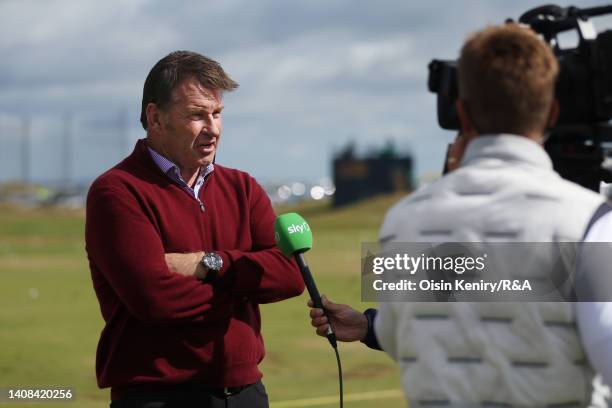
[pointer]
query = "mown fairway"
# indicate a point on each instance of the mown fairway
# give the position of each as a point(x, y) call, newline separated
point(50, 322)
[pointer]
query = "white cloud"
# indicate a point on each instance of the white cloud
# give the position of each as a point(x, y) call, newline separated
point(313, 73)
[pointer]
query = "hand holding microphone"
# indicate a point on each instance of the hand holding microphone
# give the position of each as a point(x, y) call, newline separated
point(293, 237)
point(349, 324)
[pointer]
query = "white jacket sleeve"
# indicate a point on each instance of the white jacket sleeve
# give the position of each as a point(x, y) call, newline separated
point(595, 318)
point(385, 328)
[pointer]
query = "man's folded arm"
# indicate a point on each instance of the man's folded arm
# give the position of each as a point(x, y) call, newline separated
point(263, 274)
point(125, 247)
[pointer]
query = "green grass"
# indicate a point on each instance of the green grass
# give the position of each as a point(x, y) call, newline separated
point(50, 321)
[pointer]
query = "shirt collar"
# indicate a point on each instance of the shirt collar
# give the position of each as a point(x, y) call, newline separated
point(509, 148)
point(170, 169)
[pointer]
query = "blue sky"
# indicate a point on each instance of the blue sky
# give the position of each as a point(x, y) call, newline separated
point(313, 75)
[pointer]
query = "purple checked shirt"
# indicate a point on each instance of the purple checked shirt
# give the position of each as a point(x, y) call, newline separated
point(172, 171)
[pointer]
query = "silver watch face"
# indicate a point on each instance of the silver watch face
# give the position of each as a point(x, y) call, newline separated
point(212, 261)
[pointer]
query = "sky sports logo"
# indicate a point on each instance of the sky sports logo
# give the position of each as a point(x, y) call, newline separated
point(298, 228)
point(294, 229)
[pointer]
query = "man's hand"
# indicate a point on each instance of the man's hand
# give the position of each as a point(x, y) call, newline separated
point(455, 152)
point(186, 264)
point(348, 323)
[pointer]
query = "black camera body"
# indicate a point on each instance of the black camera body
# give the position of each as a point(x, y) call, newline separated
point(583, 89)
point(443, 82)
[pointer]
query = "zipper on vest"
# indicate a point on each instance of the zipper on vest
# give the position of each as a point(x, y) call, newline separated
point(202, 208)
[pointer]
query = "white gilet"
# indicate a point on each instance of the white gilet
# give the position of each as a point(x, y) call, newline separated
point(490, 354)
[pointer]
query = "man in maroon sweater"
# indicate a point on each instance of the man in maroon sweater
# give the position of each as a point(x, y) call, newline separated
point(181, 252)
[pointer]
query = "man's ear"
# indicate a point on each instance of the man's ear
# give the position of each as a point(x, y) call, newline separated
point(553, 116)
point(467, 128)
point(154, 117)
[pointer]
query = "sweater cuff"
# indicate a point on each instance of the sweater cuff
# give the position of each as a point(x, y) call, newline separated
point(370, 339)
point(229, 278)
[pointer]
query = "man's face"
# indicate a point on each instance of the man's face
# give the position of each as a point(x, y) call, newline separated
point(191, 125)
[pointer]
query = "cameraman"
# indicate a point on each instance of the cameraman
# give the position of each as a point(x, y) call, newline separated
point(505, 189)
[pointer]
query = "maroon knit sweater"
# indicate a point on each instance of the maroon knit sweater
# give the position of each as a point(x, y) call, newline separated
point(162, 327)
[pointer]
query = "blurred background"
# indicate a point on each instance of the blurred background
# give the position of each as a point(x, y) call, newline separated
point(332, 100)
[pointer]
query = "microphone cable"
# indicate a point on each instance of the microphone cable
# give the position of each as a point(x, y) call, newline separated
point(331, 337)
point(340, 376)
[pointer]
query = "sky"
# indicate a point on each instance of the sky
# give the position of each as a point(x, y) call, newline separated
point(313, 76)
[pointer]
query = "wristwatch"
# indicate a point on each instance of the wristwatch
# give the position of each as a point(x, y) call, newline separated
point(213, 264)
